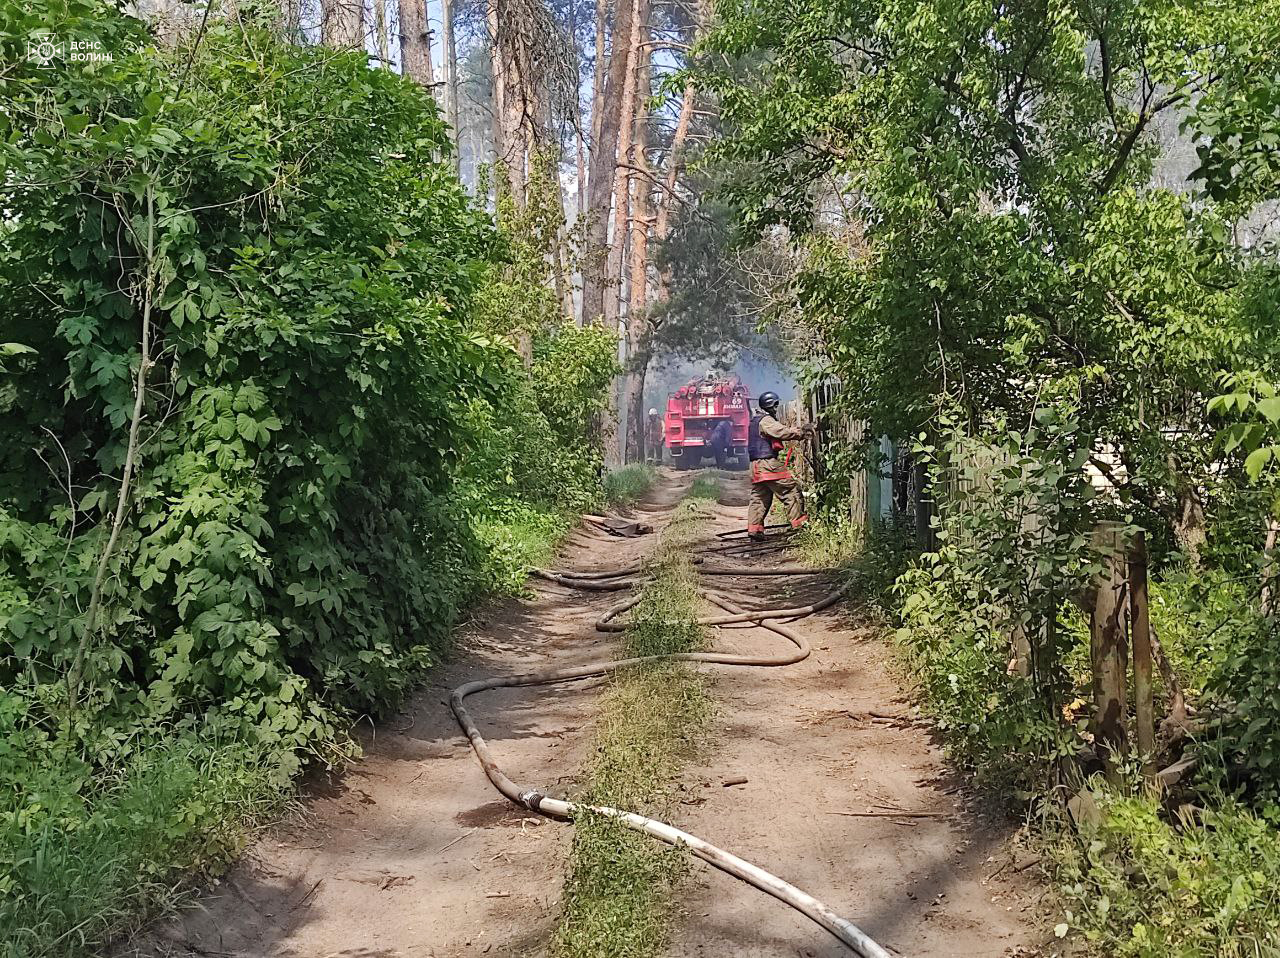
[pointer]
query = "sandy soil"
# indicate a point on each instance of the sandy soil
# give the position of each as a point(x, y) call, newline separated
point(411, 853)
point(817, 740)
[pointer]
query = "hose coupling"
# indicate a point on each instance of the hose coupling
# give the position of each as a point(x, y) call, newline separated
point(532, 800)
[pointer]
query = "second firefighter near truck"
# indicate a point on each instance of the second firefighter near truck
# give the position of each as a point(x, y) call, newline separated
point(771, 466)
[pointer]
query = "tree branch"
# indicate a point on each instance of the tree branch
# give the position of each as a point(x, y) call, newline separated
point(131, 452)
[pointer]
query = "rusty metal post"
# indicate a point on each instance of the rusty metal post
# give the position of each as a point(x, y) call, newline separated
point(1140, 623)
point(1108, 649)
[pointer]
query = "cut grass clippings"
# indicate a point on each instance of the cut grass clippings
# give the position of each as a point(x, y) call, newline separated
point(619, 889)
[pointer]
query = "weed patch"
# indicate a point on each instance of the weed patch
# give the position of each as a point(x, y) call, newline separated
point(617, 896)
point(75, 875)
point(1197, 883)
point(626, 486)
point(704, 487)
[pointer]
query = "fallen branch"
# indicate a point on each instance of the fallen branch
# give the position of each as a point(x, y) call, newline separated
point(893, 814)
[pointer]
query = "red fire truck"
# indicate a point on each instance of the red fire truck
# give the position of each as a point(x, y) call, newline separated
point(693, 413)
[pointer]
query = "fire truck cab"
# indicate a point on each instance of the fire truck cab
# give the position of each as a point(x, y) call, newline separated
point(693, 413)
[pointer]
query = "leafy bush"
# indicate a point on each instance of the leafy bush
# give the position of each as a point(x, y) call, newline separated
point(1014, 549)
point(1245, 687)
point(333, 448)
point(1202, 884)
point(956, 642)
point(291, 545)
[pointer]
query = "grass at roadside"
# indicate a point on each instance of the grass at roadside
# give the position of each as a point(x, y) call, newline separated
point(618, 892)
point(704, 487)
point(874, 556)
point(87, 870)
point(516, 538)
point(626, 486)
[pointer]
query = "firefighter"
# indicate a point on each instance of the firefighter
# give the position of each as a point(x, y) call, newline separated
point(653, 436)
point(770, 467)
point(720, 440)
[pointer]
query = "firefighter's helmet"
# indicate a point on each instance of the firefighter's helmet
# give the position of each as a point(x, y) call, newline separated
point(653, 412)
point(768, 402)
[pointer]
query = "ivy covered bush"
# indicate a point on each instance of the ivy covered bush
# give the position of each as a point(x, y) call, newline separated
point(258, 437)
point(304, 291)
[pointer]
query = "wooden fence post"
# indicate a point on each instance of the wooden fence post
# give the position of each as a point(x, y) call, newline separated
point(1108, 648)
point(1140, 624)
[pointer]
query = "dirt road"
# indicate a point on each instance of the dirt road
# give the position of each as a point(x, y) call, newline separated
point(411, 853)
point(816, 741)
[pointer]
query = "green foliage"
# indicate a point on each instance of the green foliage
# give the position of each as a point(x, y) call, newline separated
point(1244, 685)
point(628, 485)
point(876, 556)
point(75, 871)
point(1014, 548)
point(1204, 620)
point(1254, 405)
point(833, 539)
point(1237, 120)
point(543, 440)
point(517, 536)
point(291, 525)
point(1199, 884)
point(337, 447)
point(970, 195)
point(988, 252)
point(541, 444)
point(959, 653)
point(617, 898)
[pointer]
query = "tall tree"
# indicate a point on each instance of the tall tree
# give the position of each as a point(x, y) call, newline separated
point(342, 24)
point(639, 189)
point(604, 164)
point(621, 201)
point(415, 42)
point(449, 66)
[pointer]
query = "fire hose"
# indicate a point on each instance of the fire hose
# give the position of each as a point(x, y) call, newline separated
point(534, 800)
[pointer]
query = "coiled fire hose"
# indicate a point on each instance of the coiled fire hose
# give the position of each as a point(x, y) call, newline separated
point(844, 930)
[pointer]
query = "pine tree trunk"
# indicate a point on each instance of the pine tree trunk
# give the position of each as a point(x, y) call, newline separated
point(290, 20)
point(637, 373)
point(623, 176)
point(514, 101)
point(499, 93)
point(597, 85)
point(508, 133)
point(640, 190)
point(380, 31)
point(449, 66)
point(415, 42)
point(342, 24)
point(604, 161)
point(662, 224)
point(675, 159)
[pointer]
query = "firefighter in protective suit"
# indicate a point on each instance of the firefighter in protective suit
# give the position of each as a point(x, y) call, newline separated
point(770, 467)
point(653, 436)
